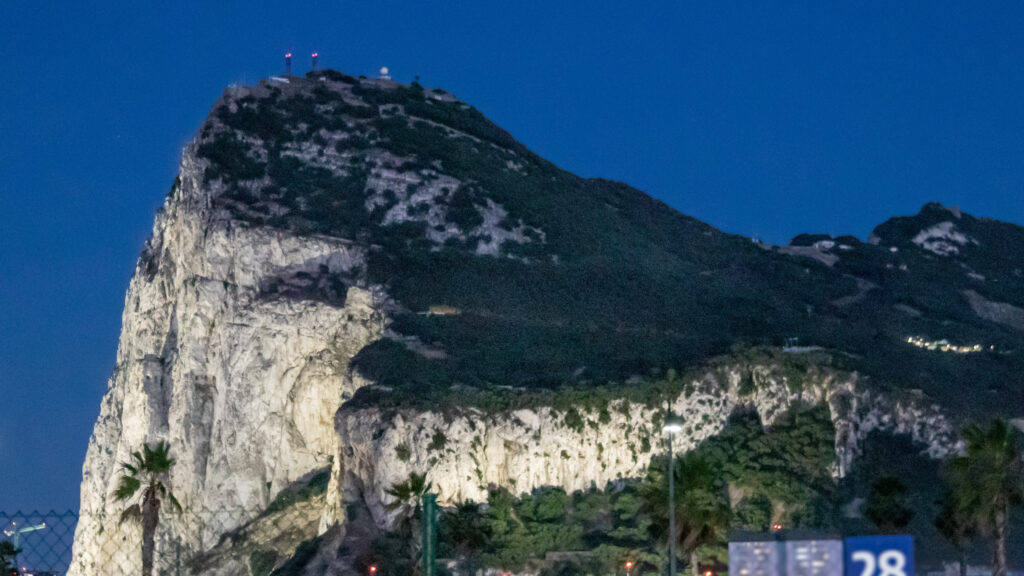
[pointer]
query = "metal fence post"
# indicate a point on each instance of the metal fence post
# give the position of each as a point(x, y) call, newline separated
point(429, 534)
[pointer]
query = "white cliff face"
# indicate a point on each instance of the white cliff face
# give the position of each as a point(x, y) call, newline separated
point(467, 453)
point(233, 352)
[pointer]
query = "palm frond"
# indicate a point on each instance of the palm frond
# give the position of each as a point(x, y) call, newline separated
point(400, 490)
point(126, 488)
point(417, 483)
point(158, 458)
point(133, 513)
point(174, 501)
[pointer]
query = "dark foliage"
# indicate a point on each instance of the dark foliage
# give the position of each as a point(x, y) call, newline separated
point(620, 284)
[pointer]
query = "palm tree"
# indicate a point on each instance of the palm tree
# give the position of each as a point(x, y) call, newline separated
point(988, 481)
point(407, 498)
point(957, 527)
point(702, 510)
point(147, 474)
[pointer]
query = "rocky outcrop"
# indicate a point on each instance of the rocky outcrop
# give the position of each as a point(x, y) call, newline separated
point(234, 346)
point(998, 312)
point(464, 454)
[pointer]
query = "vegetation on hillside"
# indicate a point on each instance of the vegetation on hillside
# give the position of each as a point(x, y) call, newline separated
point(757, 477)
point(438, 393)
point(619, 285)
point(735, 481)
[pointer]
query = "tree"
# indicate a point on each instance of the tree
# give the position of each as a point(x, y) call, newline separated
point(887, 505)
point(8, 556)
point(701, 506)
point(987, 482)
point(407, 498)
point(468, 531)
point(145, 479)
point(957, 527)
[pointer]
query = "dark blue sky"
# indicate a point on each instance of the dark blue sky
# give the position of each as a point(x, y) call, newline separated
point(762, 118)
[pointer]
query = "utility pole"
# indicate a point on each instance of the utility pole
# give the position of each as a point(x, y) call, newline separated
point(671, 510)
point(429, 534)
point(672, 426)
point(15, 533)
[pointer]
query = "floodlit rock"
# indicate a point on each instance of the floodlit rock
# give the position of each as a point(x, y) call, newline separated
point(466, 454)
point(344, 264)
point(241, 379)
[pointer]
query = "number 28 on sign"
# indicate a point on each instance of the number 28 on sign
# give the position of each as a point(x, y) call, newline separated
point(879, 556)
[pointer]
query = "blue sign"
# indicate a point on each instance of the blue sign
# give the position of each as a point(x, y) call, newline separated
point(879, 556)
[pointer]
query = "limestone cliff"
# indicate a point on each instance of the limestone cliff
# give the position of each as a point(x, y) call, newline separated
point(221, 359)
point(466, 454)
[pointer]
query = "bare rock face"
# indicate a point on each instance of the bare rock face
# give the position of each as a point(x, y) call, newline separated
point(998, 312)
point(466, 454)
point(232, 351)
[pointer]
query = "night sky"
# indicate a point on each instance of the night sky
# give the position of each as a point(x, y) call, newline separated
point(761, 118)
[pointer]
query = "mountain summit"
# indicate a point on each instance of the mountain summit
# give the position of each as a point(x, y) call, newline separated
point(552, 279)
point(372, 279)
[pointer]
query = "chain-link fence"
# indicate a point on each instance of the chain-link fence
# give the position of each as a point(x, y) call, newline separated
point(187, 542)
point(43, 538)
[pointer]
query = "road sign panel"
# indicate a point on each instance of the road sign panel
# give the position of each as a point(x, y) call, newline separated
point(879, 556)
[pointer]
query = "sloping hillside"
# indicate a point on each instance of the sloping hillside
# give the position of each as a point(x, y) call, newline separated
point(507, 271)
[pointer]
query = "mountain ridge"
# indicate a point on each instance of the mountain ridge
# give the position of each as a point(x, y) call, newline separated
point(344, 263)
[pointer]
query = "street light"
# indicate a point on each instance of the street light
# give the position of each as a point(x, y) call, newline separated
point(629, 566)
point(15, 532)
point(673, 425)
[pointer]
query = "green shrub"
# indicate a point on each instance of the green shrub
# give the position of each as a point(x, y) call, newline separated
point(261, 562)
point(437, 441)
point(573, 420)
point(402, 452)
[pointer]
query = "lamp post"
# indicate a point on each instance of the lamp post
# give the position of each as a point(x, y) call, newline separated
point(672, 426)
point(15, 532)
point(629, 567)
